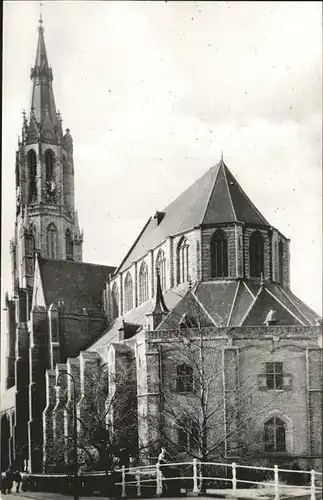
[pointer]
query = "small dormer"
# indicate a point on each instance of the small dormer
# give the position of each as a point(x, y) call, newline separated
point(159, 217)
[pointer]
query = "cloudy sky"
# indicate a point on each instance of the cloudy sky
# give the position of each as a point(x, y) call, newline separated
point(153, 91)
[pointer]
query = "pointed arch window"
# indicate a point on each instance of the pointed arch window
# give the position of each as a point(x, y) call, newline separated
point(182, 261)
point(69, 245)
point(49, 169)
point(143, 283)
point(52, 241)
point(115, 301)
point(65, 182)
point(32, 170)
point(281, 261)
point(161, 267)
point(219, 255)
point(256, 255)
point(275, 435)
point(128, 293)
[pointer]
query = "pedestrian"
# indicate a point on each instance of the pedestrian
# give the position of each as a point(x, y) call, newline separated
point(18, 480)
point(4, 483)
point(8, 480)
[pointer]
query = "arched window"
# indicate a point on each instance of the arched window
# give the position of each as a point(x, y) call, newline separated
point(182, 261)
point(49, 164)
point(115, 300)
point(65, 182)
point(256, 255)
point(69, 245)
point(281, 261)
point(143, 283)
point(51, 241)
point(161, 267)
point(128, 293)
point(32, 170)
point(275, 435)
point(219, 255)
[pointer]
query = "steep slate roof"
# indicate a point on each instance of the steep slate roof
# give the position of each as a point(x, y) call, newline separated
point(214, 198)
point(78, 284)
point(233, 303)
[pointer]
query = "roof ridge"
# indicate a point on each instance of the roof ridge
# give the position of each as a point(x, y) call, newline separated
point(132, 246)
point(217, 166)
point(284, 306)
point(229, 193)
point(75, 262)
point(246, 196)
point(233, 302)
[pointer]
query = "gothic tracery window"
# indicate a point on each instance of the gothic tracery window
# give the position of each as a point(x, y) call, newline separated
point(256, 255)
point(281, 261)
point(219, 255)
point(143, 283)
point(32, 170)
point(49, 169)
point(69, 245)
point(182, 261)
point(65, 182)
point(115, 300)
point(128, 293)
point(161, 267)
point(52, 241)
point(275, 435)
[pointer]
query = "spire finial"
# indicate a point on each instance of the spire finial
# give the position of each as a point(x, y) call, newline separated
point(221, 154)
point(41, 13)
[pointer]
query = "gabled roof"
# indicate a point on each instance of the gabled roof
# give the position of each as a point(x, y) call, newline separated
point(215, 198)
point(78, 284)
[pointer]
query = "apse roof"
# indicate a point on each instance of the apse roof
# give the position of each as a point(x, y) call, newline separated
point(232, 303)
point(214, 198)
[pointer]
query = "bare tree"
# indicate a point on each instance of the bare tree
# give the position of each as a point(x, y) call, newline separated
point(209, 408)
point(106, 422)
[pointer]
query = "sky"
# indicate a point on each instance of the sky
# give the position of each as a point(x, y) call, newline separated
point(154, 91)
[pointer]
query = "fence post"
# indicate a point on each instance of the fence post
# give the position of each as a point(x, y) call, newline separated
point(159, 483)
point(195, 488)
point(276, 478)
point(234, 477)
point(138, 484)
point(312, 484)
point(123, 473)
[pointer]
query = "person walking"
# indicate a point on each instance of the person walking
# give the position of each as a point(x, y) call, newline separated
point(18, 480)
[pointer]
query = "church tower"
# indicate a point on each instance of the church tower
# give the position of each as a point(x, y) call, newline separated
point(46, 221)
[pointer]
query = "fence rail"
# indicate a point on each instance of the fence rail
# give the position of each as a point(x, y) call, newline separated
point(161, 477)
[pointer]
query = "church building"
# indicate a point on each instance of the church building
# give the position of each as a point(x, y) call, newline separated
point(223, 360)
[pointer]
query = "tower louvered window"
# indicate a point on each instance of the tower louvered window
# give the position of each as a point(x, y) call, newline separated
point(143, 283)
point(219, 255)
point(115, 301)
point(281, 261)
point(69, 245)
point(49, 168)
point(32, 172)
point(52, 241)
point(65, 182)
point(128, 293)
point(161, 267)
point(256, 255)
point(182, 261)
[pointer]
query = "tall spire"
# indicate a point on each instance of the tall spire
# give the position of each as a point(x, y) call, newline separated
point(42, 100)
